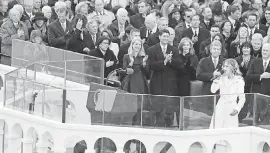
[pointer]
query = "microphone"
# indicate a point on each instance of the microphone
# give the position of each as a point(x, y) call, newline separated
point(125, 71)
point(215, 77)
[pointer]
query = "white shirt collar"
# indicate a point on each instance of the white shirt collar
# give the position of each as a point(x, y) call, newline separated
point(231, 20)
point(267, 61)
point(154, 29)
point(214, 58)
point(163, 46)
point(187, 24)
point(197, 30)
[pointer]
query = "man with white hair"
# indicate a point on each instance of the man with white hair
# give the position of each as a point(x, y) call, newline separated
point(106, 17)
point(149, 28)
point(60, 29)
point(11, 29)
point(119, 26)
point(154, 37)
point(47, 11)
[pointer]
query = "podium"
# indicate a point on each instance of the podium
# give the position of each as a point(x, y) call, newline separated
point(111, 106)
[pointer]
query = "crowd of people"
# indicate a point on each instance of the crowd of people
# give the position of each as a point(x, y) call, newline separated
point(166, 43)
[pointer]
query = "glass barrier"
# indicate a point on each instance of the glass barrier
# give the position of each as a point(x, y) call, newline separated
point(76, 67)
point(82, 72)
point(160, 111)
point(31, 97)
point(198, 112)
point(261, 115)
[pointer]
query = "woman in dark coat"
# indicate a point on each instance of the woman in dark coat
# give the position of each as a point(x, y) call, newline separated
point(174, 17)
point(244, 61)
point(189, 65)
point(102, 51)
point(136, 59)
point(80, 39)
point(39, 23)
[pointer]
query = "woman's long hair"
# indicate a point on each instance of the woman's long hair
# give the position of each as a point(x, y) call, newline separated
point(181, 44)
point(237, 39)
point(234, 67)
point(131, 51)
point(223, 51)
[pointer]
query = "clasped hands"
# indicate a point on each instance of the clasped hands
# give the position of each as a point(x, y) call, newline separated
point(168, 58)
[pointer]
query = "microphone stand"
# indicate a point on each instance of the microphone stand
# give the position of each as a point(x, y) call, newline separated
point(111, 73)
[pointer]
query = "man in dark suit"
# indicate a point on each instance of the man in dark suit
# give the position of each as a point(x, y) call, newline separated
point(259, 75)
point(154, 38)
point(207, 20)
point(149, 28)
point(60, 30)
point(163, 62)
point(137, 20)
point(183, 25)
point(208, 69)
point(196, 33)
point(233, 14)
point(213, 31)
point(251, 22)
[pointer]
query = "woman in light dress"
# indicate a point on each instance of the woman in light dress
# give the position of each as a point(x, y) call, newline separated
point(231, 86)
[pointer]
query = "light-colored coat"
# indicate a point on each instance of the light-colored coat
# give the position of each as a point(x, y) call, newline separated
point(231, 90)
point(8, 32)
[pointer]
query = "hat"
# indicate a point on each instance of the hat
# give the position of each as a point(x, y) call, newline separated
point(35, 33)
point(101, 38)
point(175, 10)
point(39, 16)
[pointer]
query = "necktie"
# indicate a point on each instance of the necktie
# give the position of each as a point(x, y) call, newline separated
point(63, 26)
point(195, 33)
point(265, 65)
point(94, 39)
point(215, 63)
point(164, 51)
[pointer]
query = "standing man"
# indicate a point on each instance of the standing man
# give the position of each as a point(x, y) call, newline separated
point(259, 75)
point(153, 39)
point(106, 17)
point(59, 30)
point(196, 33)
point(163, 62)
point(137, 20)
point(208, 69)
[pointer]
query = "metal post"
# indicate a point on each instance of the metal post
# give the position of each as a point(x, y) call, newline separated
point(214, 114)
point(64, 106)
point(254, 109)
point(181, 114)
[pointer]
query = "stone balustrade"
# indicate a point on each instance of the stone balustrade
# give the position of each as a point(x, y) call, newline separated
point(38, 134)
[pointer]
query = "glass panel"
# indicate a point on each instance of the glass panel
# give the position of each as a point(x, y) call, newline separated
point(246, 114)
point(262, 111)
point(24, 52)
point(160, 112)
point(94, 70)
point(75, 71)
point(198, 111)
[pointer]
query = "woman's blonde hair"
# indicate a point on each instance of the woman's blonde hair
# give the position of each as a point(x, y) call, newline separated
point(130, 49)
point(234, 65)
point(237, 39)
point(181, 44)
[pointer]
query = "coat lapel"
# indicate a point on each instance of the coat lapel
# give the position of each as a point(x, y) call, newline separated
point(159, 51)
point(59, 26)
point(211, 63)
